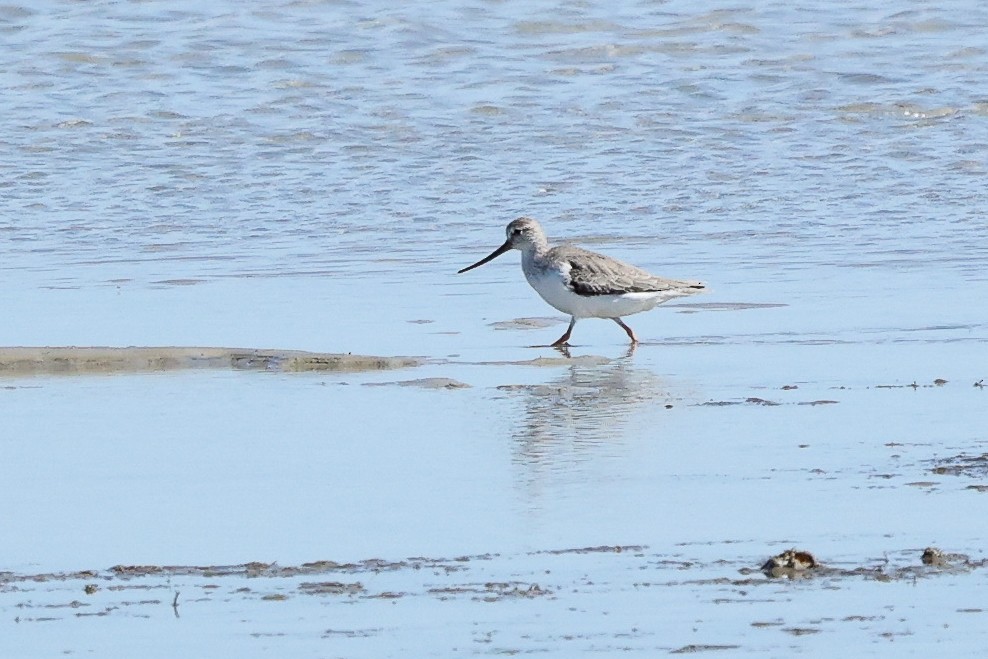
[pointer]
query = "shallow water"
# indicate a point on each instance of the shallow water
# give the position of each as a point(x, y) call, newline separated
point(310, 175)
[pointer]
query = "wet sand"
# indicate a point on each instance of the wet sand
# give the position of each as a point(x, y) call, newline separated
point(16, 361)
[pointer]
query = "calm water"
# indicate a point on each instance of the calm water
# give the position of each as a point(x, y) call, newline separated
point(312, 174)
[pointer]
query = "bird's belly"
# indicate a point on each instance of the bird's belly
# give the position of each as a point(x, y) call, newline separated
point(556, 293)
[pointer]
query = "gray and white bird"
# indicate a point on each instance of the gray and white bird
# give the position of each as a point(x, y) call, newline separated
point(585, 284)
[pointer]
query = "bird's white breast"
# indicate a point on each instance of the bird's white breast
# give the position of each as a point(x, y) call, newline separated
point(552, 285)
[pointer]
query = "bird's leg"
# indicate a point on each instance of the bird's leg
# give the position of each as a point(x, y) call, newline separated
point(562, 341)
point(631, 332)
point(564, 351)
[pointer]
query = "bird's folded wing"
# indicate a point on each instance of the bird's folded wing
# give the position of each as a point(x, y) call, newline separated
point(594, 274)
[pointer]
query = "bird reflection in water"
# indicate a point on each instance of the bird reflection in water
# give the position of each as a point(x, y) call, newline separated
point(578, 418)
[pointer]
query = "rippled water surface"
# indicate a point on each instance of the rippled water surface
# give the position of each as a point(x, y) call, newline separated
point(311, 175)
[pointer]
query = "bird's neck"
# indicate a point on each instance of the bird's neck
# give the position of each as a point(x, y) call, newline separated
point(533, 257)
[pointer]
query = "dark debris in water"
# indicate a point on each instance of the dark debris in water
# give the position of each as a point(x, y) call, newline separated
point(933, 556)
point(258, 569)
point(789, 563)
point(497, 590)
point(693, 648)
point(951, 562)
point(763, 402)
point(794, 563)
point(351, 633)
point(481, 578)
point(914, 385)
point(972, 466)
point(331, 588)
point(756, 400)
point(491, 591)
point(938, 382)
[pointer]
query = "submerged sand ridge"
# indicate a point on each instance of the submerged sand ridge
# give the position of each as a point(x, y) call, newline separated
point(94, 359)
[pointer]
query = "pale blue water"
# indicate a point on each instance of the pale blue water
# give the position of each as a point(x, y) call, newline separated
point(311, 175)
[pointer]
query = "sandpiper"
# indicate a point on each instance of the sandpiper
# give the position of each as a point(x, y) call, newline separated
point(585, 284)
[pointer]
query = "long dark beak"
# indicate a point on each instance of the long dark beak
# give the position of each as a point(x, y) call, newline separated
point(493, 255)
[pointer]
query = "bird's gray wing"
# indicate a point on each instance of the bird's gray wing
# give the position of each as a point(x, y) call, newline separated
point(595, 274)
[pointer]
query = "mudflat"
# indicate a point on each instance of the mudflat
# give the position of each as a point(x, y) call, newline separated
point(100, 359)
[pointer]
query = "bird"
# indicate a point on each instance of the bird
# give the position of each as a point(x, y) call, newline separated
point(582, 283)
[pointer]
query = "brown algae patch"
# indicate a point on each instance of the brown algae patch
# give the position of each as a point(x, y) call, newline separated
point(73, 360)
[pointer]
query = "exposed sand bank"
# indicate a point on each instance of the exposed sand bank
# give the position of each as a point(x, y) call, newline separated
point(71, 360)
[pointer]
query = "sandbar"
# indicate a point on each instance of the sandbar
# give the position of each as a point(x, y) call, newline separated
point(68, 360)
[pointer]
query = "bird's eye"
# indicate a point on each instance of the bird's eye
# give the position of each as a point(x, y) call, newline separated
point(516, 232)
